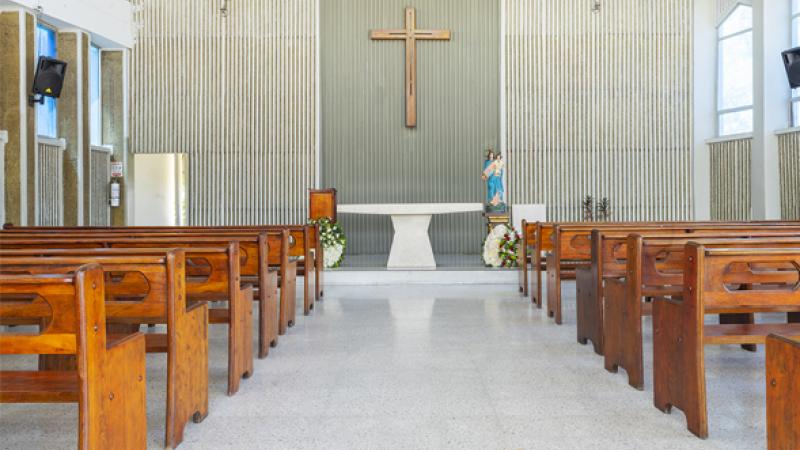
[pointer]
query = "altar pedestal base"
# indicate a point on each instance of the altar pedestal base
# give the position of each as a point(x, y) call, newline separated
point(411, 246)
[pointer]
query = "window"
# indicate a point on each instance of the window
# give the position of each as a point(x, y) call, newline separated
point(796, 43)
point(95, 126)
point(46, 118)
point(735, 72)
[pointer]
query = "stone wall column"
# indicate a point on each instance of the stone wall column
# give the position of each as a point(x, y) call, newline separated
point(114, 99)
point(704, 103)
point(16, 117)
point(73, 125)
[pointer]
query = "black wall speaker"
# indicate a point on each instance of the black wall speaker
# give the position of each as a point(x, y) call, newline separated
point(791, 60)
point(48, 80)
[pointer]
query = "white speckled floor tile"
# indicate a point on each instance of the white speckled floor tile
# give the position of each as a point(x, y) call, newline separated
point(431, 367)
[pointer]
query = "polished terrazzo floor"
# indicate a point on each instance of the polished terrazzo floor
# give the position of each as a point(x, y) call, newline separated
point(440, 367)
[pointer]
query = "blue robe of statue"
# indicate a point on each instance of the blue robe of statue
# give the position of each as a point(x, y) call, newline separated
point(495, 183)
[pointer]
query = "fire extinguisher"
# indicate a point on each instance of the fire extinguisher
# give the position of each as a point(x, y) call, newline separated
point(114, 192)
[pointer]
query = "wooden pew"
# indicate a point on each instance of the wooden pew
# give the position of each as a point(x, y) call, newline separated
point(783, 393)
point(259, 251)
point(712, 277)
point(108, 383)
point(655, 269)
point(285, 242)
point(147, 289)
point(223, 287)
point(304, 244)
point(572, 249)
point(571, 252)
point(540, 240)
point(609, 257)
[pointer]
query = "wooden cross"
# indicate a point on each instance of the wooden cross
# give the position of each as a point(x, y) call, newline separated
point(411, 35)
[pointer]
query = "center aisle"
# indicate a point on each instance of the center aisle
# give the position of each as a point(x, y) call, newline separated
point(462, 368)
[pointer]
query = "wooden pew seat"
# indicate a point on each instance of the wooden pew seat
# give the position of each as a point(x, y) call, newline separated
point(39, 387)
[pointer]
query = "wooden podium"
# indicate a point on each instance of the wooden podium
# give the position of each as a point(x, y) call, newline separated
point(322, 204)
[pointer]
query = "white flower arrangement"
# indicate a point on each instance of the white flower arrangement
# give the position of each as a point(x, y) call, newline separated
point(500, 247)
point(333, 242)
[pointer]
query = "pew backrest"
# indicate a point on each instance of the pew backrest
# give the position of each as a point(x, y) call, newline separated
point(143, 287)
point(713, 276)
point(245, 251)
point(661, 261)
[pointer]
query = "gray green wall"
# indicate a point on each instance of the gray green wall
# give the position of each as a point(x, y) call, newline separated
point(367, 152)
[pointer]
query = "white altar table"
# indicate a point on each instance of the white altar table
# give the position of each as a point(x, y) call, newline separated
point(411, 245)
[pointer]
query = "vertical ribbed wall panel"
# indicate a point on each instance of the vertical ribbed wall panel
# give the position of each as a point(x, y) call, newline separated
point(789, 151)
point(50, 184)
point(369, 155)
point(100, 170)
point(600, 104)
point(731, 197)
point(238, 95)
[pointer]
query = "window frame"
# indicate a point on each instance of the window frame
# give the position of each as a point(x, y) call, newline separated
point(93, 46)
point(37, 51)
point(719, 94)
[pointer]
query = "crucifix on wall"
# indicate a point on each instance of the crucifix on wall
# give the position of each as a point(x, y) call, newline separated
point(411, 35)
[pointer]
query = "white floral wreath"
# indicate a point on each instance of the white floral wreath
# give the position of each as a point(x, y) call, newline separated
point(500, 247)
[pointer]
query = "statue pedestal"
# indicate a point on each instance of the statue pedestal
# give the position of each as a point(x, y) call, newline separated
point(495, 219)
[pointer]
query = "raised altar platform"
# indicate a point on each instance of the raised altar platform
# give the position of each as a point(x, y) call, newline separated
point(451, 269)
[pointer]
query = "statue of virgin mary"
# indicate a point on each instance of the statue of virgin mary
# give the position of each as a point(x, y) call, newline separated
point(493, 171)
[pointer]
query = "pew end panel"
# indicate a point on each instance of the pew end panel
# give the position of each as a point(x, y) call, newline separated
point(783, 393)
point(522, 259)
point(187, 353)
point(622, 330)
point(586, 309)
point(304, 249)
point(117, 401)
point(268, 312)
point(240, 323)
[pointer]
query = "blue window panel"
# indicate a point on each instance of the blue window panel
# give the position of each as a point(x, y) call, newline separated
point(95, 127)
point(46, 115)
